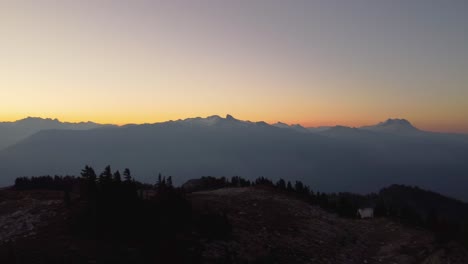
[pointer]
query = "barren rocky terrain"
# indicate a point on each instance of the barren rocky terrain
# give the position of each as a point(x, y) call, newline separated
point(267, 227)
point(23, 213)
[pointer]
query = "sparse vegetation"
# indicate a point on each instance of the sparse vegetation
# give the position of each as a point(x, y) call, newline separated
point(158, 221)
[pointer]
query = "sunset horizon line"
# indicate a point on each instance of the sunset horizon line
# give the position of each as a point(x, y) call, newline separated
point(310, 124)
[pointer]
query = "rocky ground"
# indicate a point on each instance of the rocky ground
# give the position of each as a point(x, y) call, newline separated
point(23, 213)
point(267, 227)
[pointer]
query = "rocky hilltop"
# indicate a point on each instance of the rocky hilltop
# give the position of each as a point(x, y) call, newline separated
point(274, 228)
point(267, 227)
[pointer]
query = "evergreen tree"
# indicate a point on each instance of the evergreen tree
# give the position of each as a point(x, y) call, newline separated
point(299, 186)
point(127, 175)
point(89, 183)
point(169, 182)
point(281, 184)
point(88, 174)
point(159, 182)
point(106, 176)
point(117, 177)
point(235, 181)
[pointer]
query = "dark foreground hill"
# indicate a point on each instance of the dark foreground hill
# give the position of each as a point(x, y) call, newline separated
point(269, 227)
point(265, 226)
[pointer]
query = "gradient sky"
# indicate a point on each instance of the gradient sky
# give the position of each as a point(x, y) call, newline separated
point(311, 62)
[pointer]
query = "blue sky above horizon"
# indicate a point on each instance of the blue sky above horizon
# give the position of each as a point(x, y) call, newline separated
point(321, 62)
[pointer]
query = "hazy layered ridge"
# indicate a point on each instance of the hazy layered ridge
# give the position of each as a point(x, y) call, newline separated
point(330, 159)
point(13, 132)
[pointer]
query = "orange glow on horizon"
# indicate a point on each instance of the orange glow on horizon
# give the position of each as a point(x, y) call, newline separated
point(118, 120)
point(304, 62)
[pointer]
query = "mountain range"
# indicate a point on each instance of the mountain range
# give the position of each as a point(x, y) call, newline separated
point(330, 159)
point(13, 132)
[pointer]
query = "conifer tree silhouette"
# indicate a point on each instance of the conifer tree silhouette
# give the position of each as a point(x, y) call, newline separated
point(127, 175)
point(117, 177)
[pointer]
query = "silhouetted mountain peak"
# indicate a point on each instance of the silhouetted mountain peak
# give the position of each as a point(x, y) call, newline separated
point(54, 121)
point(393, 125)
point(230, 117)
point(214, 120)
point(281, 125)
point(30, 119)
point(295, 127)
point(208, 121)
point(396, 121)
point(262, 123)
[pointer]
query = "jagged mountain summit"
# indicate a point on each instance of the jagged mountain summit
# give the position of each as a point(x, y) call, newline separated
point(216, 121)
point(281, 125)
point(395, 126)
point(212, 122)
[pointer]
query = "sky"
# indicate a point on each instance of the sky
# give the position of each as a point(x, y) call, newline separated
point(322, 62)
